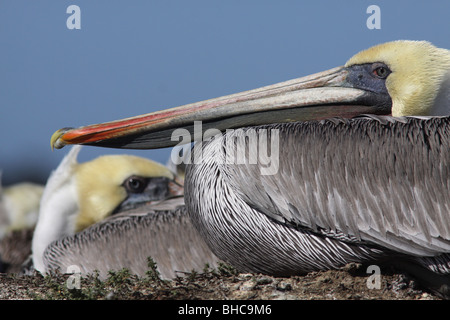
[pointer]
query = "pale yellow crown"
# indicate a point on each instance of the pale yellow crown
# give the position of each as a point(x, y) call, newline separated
point(418, 69)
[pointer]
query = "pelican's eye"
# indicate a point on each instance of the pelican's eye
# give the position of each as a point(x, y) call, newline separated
point(380, 70)
point(135, 184)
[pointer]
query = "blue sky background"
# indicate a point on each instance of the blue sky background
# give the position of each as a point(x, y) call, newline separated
point(134, 57)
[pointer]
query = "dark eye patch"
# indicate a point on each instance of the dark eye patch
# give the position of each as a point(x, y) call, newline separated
point(369, 77)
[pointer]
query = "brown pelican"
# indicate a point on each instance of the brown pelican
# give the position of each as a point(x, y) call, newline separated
point(19, 208)
point(368, 189)
point(90, 219)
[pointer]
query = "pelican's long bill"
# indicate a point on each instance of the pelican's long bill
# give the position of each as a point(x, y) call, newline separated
point(342, 91)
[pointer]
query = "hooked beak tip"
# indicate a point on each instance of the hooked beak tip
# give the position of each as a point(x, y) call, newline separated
point(56, 141)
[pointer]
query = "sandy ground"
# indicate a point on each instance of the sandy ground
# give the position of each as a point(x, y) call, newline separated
point(353, 282)
point(349, 283)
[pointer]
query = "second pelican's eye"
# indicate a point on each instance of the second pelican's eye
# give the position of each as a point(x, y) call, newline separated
point(381, 71)
point(135, 184)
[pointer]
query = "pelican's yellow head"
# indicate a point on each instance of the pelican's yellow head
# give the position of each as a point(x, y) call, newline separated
point(104, 184)
point(419, 71)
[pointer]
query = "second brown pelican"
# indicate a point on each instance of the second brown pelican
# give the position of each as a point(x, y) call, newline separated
point(369, 189)
point(19, 208)
point(19, 205)
point(115, 212)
